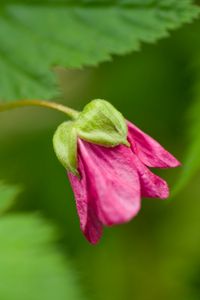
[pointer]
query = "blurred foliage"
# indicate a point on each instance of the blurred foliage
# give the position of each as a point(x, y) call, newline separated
point(31, 267)
point(192, 158)
point(75, 33)
point(156, 256)
point(7, 196)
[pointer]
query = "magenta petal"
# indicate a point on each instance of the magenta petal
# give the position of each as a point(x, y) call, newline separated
point(149, 151)
point(152, 186)
point(112, 182)
point(89, 222)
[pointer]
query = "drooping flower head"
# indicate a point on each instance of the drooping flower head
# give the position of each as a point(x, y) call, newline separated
point(107, 160)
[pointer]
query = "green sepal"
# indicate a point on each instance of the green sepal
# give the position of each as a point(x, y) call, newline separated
point(65, 146)
point(101, 123)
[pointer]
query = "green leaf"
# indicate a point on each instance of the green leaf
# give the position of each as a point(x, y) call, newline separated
point(32, 267)
point(36, 36)
point(101, 123)
point(65, 146)
point(8, 194)
point(191, 163)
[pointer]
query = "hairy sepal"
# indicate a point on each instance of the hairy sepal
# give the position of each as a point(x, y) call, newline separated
point(101, 123)
point(65, 146)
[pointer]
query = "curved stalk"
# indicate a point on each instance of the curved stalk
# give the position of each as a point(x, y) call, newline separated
point(52, 105)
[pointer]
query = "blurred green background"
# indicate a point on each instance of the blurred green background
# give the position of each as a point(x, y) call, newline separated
point(156, 255)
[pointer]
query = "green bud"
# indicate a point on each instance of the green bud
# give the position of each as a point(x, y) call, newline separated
point(65, 146)
point(101, 123)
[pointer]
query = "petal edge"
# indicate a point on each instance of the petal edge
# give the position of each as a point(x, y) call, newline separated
point(148, 150)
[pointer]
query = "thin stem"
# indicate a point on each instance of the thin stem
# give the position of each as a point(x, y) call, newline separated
point(53, 105)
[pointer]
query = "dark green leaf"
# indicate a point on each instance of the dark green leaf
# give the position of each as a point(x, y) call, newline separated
point(36, 36)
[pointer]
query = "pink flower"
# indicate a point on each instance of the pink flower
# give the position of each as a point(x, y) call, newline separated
point(113, 180)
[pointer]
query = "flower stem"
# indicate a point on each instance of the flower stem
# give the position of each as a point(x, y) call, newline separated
point(53, 105)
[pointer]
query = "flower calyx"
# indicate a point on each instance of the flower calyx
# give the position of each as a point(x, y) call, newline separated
point(99, 123)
